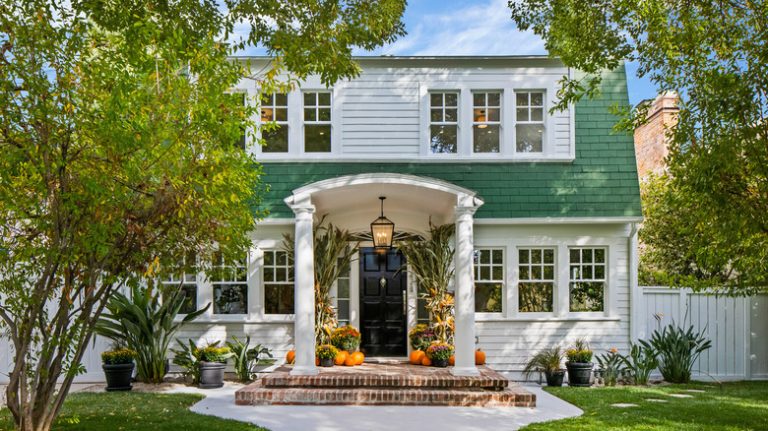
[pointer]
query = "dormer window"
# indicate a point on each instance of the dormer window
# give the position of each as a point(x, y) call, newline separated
point(317, 122)
point(529, 127)
point(443, 122)
point(486, 122)
point(274, 110)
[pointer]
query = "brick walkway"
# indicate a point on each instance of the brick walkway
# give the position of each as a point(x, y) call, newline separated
point(385, 384)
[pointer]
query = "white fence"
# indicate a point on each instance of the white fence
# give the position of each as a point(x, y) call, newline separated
point(737, 327)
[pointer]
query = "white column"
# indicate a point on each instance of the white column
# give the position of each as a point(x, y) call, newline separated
point(304, 297)
point(464, 300)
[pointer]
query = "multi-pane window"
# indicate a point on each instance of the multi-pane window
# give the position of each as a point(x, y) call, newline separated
point(230, 287)
point(278, 282)
point(443, 122)
point(186, 278)
point(535, 289)
point(422, 313)
point(587, 279)
point(342, 297)
point(486, 122)
point(274, 118)
point(489, 280)
point(529, 127)
point(317, 122)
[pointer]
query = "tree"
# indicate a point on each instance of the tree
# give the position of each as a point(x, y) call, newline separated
point(117, 154)
point(712, 53)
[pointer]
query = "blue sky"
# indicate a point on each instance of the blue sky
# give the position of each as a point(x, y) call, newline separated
point(474, 27)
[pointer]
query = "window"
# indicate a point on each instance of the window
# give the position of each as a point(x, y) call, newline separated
point(230, 288)
point(239, 99)
point(486, 122)
point(536, 284)
point(443, 122)
point(342, 297)
point(489, 280)
point(274, 110)
point(422, 313)
point(278, 282)
point(529, 129)
point(587, 279)
point(188, 282)
point(317, 122)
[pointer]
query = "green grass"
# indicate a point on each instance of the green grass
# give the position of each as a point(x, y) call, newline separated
point(732, 406)
point(134, 411)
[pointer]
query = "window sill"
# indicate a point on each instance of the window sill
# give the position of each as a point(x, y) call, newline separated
point(479, 318)
point(336, 158)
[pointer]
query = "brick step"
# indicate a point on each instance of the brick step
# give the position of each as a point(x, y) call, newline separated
point(255, 394)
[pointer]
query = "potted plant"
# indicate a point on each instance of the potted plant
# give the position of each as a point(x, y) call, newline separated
point(346, 338)
point(212, 359)
point(548, 362)
point(327, 354)
point(439, 353)
point(611, 367)
point(118, 368)
point(421, 336)
point(579, 364)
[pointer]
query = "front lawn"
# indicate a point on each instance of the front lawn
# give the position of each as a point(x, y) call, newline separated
point(134, 411)
point(732, 406)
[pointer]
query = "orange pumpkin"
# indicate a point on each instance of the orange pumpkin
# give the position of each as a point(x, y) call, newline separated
point(452, 360)
point(317, 361)
point(426, 361)
point(290, 357)
point(416, 356)
point(359, 357)
point(341, 357)
point(350, 361)
point(479, 357)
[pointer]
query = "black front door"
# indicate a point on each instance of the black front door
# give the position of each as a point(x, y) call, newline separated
point(382, 303)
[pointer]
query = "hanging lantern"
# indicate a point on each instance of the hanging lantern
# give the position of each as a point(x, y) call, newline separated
point(382, 230)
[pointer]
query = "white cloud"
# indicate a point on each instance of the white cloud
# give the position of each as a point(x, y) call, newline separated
point(478, 29)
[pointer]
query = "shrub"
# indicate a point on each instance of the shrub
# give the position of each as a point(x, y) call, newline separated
point(245, 357)
point(346, 338)
point(118, 356)
point(421, 336)
point(188, 359)
point(546, 361)
point(677, 350)
point(640, 363)
point(214, 353)
point(438, 351)
point(611, 366)
point(326, 351)
point(580, 352)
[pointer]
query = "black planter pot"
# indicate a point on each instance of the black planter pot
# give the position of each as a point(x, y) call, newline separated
point(555, 378)
point(326, 362)
point(211, 375)
point(579, 374)
point(118, 376)
point(442, 363)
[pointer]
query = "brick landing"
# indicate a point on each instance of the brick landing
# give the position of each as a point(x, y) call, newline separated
point(385, 384)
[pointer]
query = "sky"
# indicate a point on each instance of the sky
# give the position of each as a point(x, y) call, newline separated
point(474, 27)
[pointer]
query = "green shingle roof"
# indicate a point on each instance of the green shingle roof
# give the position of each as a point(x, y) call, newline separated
point(600, 182)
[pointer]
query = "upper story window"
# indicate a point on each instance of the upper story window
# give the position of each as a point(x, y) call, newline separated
point(317, 122)
point(274, 110)
point(486, 122)
point(536, 284)
point(587, 278)
point(489, 280)
point(529, 126)
point(443, 122)
point(230, 287)
point(278, 282)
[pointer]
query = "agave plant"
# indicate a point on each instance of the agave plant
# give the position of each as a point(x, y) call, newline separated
point(334, 251)
point(431, 263)
point(146, 323)
point(246, 356)
point(677, 350)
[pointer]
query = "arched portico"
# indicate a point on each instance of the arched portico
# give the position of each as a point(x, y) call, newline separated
point(350, 201)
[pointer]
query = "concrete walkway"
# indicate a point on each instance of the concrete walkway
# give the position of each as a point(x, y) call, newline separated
point(220, 402)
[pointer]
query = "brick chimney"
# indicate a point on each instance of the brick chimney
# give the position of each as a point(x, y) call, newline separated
point(650, 139)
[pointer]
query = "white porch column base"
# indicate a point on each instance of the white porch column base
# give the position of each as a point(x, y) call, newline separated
point(304, 292)
point(464, 298)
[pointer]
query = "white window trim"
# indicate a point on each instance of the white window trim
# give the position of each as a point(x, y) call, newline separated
point(262, 289)
point(504, 285)
point(334, 127)
point(546, 146)
point(499, 123)
point(608, 301)
point(556, 287)
point(461, 112)
point(258, 149)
